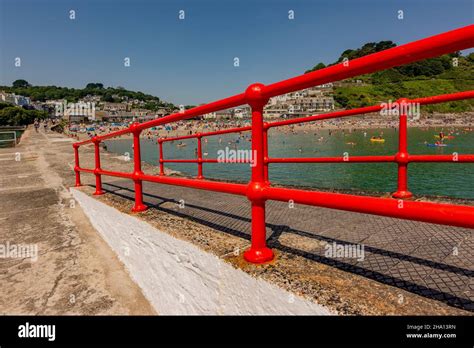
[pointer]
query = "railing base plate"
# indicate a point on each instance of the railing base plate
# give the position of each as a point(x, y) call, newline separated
point(259, 255)
point(402, 194)
point(139, 208)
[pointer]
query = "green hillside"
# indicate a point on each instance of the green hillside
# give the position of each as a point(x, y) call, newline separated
point(445, 74)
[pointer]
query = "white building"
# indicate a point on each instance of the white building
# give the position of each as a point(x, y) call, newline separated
point(301, 103)
point(241, 112)
point(115, 107)
point(15, 99)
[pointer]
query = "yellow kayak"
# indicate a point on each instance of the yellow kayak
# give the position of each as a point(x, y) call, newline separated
point(449, 137)
point(377, 140)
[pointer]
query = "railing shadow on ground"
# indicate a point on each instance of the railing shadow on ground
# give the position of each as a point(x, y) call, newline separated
point(274, 242)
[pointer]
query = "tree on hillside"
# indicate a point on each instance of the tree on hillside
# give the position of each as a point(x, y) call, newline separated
point(427, 67)
point(16, 116)
point(424, 68)
point(368, 48)
point(20, 84)
point(108, 98)
point(95, 85)
point(316, 67)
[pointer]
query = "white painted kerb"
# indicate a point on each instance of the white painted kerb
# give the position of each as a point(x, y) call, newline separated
point(179, 278)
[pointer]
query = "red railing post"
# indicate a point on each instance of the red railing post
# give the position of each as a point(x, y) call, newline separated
point(199, 154)
point(137, 169)
point(258, 252)
point(265, 153)
point(162, 166)
point(402, 156)
point(98, 179)
point(76, 165)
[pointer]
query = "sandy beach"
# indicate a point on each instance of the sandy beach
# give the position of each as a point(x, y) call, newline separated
point(443, 122)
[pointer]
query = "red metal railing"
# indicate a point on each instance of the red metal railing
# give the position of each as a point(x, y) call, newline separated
point(259, 189)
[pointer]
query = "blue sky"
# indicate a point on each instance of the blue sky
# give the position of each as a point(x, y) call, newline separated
point(191, 61)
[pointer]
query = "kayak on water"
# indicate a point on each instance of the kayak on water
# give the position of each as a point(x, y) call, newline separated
point(377, 140)
point(436, 145)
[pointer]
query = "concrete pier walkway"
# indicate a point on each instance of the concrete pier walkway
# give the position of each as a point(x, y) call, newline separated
point(74, 271)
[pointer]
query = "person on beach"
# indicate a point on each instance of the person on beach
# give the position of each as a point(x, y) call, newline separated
point(37, 125)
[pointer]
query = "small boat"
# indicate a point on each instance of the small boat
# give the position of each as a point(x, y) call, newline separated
point(437, 145)
point(377, 140)
point(181, 145)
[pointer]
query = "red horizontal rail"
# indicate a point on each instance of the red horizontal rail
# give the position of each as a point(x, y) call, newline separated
point(259, 189)
point(117, 174)
point(225, 131)
point(183, 137)
point(180, 160)
point(411, 158)
point(106, 136)
point(349, 159)
point(106, 172)
point(441, 158)
point(207, 160)
point(443, 98)
point(445, 214)
point(370, 109)
point(224, 187)
point(85, 170)
point(207, 134)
